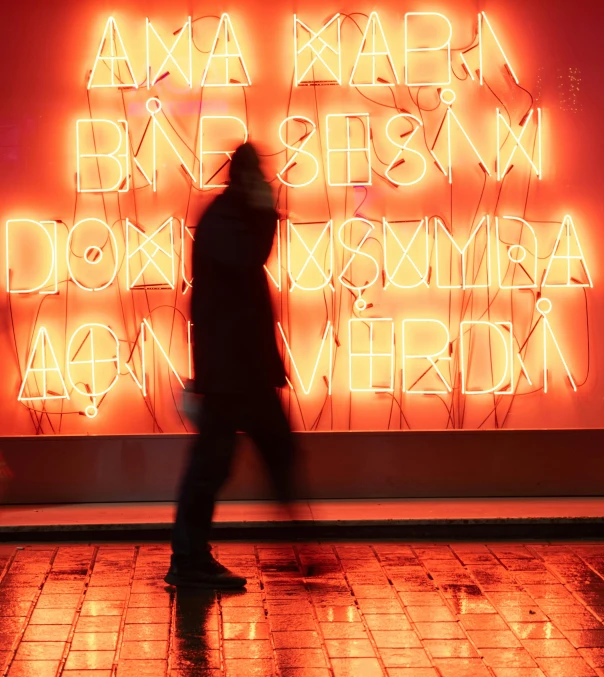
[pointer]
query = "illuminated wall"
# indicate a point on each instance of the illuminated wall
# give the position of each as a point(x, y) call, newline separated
point(436, 169)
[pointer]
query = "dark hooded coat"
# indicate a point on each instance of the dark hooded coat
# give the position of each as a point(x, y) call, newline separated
point(234, 345)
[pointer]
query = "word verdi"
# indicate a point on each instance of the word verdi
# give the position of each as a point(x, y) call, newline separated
point(408, 301)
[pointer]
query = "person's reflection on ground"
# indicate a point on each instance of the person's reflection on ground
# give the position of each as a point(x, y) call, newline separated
point(195, 646)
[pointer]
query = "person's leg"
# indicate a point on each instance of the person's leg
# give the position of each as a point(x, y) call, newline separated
point(208, 468)
point(268, 427)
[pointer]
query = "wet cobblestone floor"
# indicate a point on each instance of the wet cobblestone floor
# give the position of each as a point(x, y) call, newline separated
point(402, 610)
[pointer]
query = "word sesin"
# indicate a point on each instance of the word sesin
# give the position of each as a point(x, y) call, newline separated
point(316, 50)
point(401, 254)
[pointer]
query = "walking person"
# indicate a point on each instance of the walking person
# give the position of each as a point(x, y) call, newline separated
point(238, 367)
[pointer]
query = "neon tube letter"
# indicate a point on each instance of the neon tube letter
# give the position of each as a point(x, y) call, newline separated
point(49, 228)
point(440, 227)
point(446, 45)
point(327, 333)
point(374, 36)
point(569, 234)
point(298, 150)
point(346, 152)
point(100, 254)
point(317, 53)
point(398, 158)
point(433, 358)
point(310, 256)
point(422, 277)
point(118, 157)
point(110, 63)
point(508, 345)
point(370, 355)
point(225, 34)
point(48, 364)
point(88, 344)
point(153, 250)
point(357, 251)
point(187, 71)
point(225, 153)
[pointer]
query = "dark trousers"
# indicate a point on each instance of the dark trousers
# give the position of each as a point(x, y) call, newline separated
point(260, 415)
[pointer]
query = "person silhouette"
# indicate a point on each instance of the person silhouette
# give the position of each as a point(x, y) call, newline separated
point(238, 368)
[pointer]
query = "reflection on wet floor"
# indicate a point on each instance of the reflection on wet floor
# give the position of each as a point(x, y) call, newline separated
point(310, 610)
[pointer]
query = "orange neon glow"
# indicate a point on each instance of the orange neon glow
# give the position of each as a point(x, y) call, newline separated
point(507, 338)
point(374, 48)
point(441, 354)
point(435, 49)
point(466, 281)
point(183, 35)
point(158, 131)
point(241, 138)
point(162, 351)
point(320, 50)
point(186, 234)
point(436, 257)
point(399, 157)
point(310, 256)
point(327, 339)
point(43, 355)
point(544, 307)
point(360, 151)
point(482, 22)
point(364, 332)
point(516, 255)
point(298, 150)
point(357, 251)
point(448, 97)
point(406, 257)
point(117, 56)
point(228, 75)
point(537, 168)
point(49, 228)
point(83, 360)
point(119, 156)
point(574, 277)
point(152, 256)
point(274, 272)
point(99, 254)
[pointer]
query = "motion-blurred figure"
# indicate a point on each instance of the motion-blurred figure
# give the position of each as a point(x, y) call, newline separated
point(237, 365)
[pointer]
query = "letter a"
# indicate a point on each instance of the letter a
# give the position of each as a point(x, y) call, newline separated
point(43, 362)
point(111, 53)
point(374, 46)
point(568, 259)
point(227, 76)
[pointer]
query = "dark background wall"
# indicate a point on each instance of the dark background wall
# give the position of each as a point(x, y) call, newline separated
point(332, 465)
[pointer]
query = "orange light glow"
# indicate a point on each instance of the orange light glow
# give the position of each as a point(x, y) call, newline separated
point(111, 60)
point(183, 35)
point(440, 354)
point(327, 339)
point(434, 237)
point(374, 48)
point(154, 260)
point(119, 156)
point(320, 50)
point(42, 360)
point(410, 18)
point(226, 66)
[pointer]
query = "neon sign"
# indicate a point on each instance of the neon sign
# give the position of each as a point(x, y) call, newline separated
point(381, 291)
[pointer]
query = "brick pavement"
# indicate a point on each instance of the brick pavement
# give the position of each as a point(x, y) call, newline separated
point(402, 610)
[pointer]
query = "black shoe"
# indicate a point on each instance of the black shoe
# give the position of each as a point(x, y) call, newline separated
point(203, 573)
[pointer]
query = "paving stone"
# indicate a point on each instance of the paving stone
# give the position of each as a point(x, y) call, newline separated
point(496, 610)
